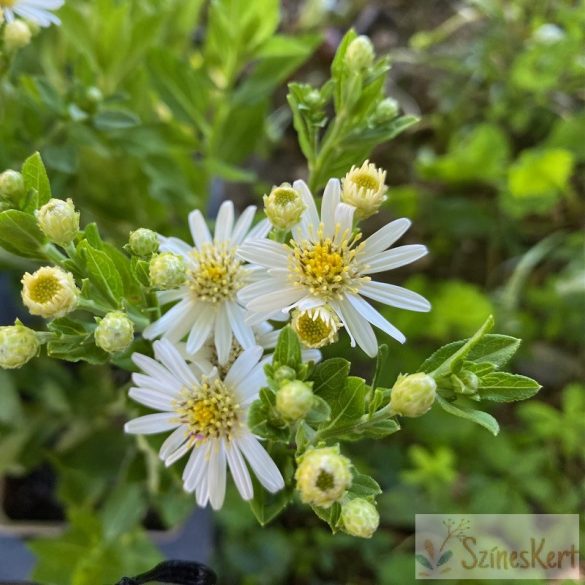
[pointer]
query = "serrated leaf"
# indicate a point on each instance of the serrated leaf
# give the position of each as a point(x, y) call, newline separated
point(20, 234)
point(495, 348)
point(102, 272)
point(504, 387)
point(35, 178)
point(477, 416)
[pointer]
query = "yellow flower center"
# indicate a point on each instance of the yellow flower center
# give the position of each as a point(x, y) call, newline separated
point(7, 3)
point(44, 288)
point(284, 195)
point(218, 275)
point(365, 181)
point(208, 410)
point(326, 267)
point(313, 329)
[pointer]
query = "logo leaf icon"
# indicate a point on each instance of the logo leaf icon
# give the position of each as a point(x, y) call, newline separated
point(424, 562)
point(444, 557)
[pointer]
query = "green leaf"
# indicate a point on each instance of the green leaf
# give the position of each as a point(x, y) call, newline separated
point(20, 234)
point(320, 413)
point(374, 430)
point(504, 387)
point(330, 515)
point(495, 349)
point(444, 558)
point(477, 416)
point(108, 120)
point(123, 510)
point(77, 348)
point(422, 560)
point(364, 486)
point(288, 350)
point(36, 179)
point(102, 273)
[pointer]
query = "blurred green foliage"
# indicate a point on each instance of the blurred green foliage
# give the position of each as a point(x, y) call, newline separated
point(144, 109)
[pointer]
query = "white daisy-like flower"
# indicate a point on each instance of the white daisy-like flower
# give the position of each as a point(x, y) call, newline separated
point(326, 263)
point(207, 415)
point(207, 302)
point(38, 11)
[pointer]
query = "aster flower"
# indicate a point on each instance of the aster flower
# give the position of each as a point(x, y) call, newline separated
point(207, 304)
point(326, 263)
point(207, 415)
point(38, 11)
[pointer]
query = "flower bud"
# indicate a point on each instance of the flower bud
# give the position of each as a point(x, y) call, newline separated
point(11, 186)
point(167, 271)
point(413, 395)
point(365, 189)
point(360, 54)
point(284, 374)
point(50, 292)
point(143, 242)
point(17, 35)
point(360, 518)
point(115, 332)
point(284, 206)
point(323, 476)
point(59, 221)
point(294, 400)
point(18, 345)
point(386, 110)
point(316, 327)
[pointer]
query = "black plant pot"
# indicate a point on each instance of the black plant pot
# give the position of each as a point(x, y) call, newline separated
point(174, 573)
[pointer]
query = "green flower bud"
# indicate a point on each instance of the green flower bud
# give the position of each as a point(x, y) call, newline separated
point(17, 35)
point(143, 242)
point(323, 476)
point(294, 400)
point(413, 395)
point(11, 186)
point(360, 518)
point(18, 345)
point(386, 110)
point(284, 207)
point(284, 374)
point(313, 99)
point(360, 54)
point(167, 271)
point(59, 221)
point(115, 332)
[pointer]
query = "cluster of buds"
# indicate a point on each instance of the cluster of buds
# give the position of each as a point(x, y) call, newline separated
point(115, 332)
point(167, 271)
point(11, 187)
point(284, 207)
point(294, 400)
point(413, 395)
point(360, 54)
point(17, 35)
point(360, 518)
point(50, 292)
point(365, 189)
point(59, 221)
point(143, 242)
point(18, 345)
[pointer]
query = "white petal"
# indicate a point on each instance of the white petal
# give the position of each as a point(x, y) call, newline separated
point(170, 357)
point(395, 258)
point(245, 363)
point(199, 230)
point(310, 216)
point(242, 330)
point(176, 455)
point(223, 335)
point(278, 299)
point(217, 476)
point(239, 471)
point(224, 222)
point(395, 296)
point(259, 231)
point(343, 221)
point(151, 424)
point(311, 355)
point(386, 236)
point(265, 253)
point(170, 296)
point(200, 330)
point(202, 491)
point(262, 287)
point(196, 468)
point(152, 398)
point(156, 370)
point(243, 224)
point(249, 388)
point(375, 318)
point(359, 328)
point(174, 245)
point(173, 442)
point(261, 463)
point(157, 384)
point(173, 318)
point(331, 199)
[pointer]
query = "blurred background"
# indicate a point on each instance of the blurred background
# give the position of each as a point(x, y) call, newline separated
point(142, 110)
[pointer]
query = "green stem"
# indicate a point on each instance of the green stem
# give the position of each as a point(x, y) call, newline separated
point(366, 420)
point(52, 254)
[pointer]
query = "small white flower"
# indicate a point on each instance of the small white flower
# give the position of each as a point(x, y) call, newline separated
point(208, 416)
point(207, 301)
point(37, 11)
point(327, 264)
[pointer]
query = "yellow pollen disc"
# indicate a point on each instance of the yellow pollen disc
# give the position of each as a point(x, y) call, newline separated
point(284, 195)
point(7, 3)
point(313, 331)
point(43, 289)
point(365, 181)
point(218, 275)
point(325, 267)
point(208, 410)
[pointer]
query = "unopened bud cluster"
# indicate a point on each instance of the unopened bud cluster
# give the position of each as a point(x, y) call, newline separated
point(17, 34)
point(167, 271)
point(143, 242)
point(359, 518)
point(59, 221)
point(360, 54)
point(284, 207)
point(365, 188)
point(115, 332)
point(413, 395)
point(323, 476)
point(50, 292)
point(18, 345)
point(11, 186)
point(294, 400)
